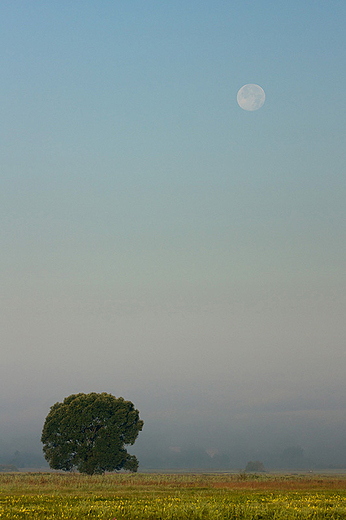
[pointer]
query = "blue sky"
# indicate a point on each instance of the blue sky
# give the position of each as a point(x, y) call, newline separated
point(158, 242)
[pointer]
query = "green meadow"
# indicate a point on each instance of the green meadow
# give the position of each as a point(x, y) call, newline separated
point(171, 496)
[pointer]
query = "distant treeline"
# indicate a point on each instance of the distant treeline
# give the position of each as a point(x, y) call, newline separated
point(22, 460)
point(175, 458)
point(7, 468)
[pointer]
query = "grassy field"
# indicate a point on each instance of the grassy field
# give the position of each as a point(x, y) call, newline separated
point(175, 496)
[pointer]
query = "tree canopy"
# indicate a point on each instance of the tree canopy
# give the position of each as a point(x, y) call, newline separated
point(89, 432)
point(255, 466)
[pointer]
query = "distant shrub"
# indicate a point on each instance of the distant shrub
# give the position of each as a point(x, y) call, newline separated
point(242, 476)
point(255, 466)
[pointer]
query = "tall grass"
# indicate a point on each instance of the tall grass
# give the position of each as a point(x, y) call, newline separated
point(41, 496)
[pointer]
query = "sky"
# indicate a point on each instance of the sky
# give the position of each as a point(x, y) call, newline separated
point(162, 244)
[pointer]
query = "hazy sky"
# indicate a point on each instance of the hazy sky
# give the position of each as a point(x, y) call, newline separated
point(158, 242)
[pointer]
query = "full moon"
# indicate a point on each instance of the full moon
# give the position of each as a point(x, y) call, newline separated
point(251, 97)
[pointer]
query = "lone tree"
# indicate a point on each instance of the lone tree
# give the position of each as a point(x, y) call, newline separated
point(89, 431)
